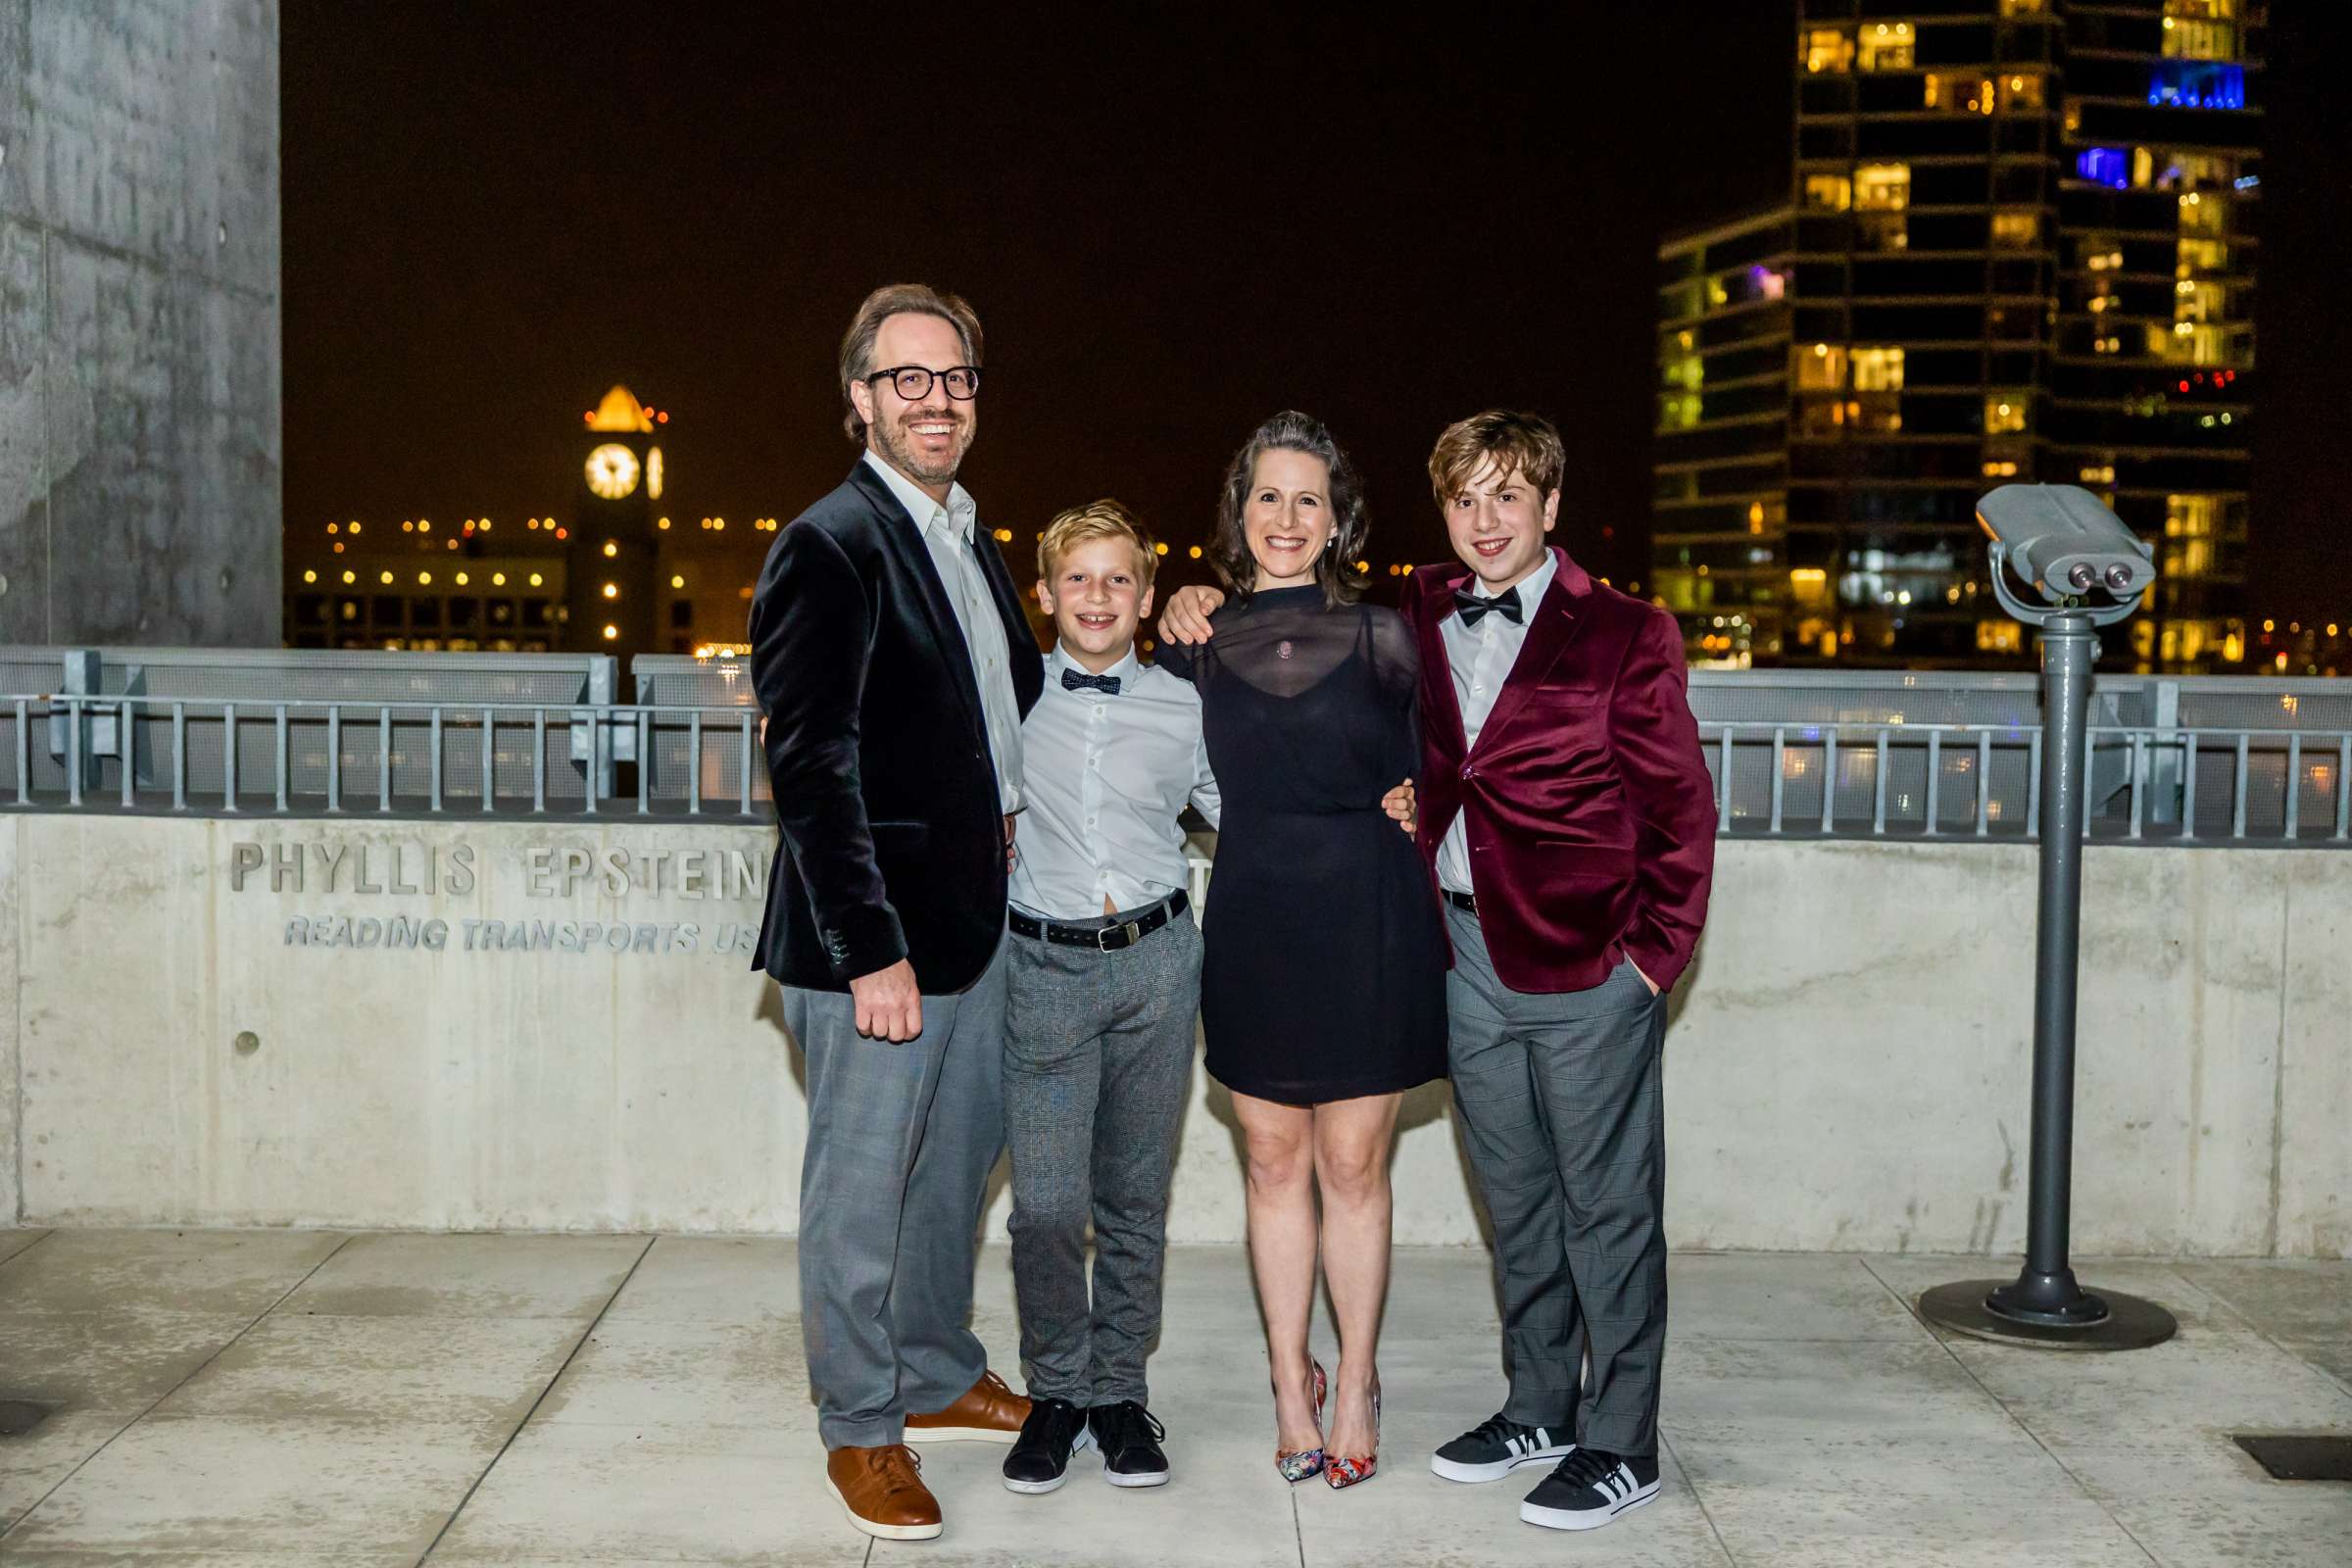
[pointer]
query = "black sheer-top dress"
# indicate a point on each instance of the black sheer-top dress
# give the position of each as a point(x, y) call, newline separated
point(1325, 971)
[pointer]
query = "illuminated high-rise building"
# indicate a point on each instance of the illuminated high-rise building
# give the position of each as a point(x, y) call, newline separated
point(2022, 246)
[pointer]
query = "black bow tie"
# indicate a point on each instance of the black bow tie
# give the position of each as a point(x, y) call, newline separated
point(1470, 605)
point(1107, 685)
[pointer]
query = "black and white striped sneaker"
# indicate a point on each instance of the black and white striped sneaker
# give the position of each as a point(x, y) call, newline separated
point(1497, 1446)
point(1589, 1488)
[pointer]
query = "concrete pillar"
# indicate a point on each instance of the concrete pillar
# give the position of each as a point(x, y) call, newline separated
point(139, 336)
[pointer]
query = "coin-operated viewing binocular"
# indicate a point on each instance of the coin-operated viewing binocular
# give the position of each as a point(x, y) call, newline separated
point(2061, 541)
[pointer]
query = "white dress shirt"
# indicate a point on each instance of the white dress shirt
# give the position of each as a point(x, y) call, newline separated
point(1106, 777)
point(948, 533)
point(1480, 658)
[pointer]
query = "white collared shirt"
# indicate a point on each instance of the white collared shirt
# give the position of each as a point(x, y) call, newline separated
point(949, 533)
point(1106, 777)
point(1480, 658)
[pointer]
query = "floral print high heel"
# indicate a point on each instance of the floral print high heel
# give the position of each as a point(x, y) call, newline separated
point(1299, 1464)
point(1341, 1470)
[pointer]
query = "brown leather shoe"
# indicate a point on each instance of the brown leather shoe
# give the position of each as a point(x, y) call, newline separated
point(988, 1412)
point(882, 1489)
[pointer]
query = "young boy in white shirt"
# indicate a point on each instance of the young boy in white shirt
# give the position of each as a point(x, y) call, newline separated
point(1105, 985)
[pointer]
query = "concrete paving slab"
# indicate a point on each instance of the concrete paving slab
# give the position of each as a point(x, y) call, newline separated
point(687, 1279)
point(702, 1494)
point(33, 1465)
point(237, 1484)
point(13, 1242)
point(129, 1355)
point(2332, 1356)
point(188, 1271)
point(663, 1373)
point(1764, 1392)
point(2286, 1299)
point(1781, 1295)
point(2213, 1505)
point(470, 1276)
point(2182, 1393)
point(1789, 1525)
point(483, 1372)
point(207, 1559)
point(1407, 1515)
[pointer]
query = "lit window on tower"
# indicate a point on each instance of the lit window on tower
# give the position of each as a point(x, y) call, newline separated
point(1885, 46)
point(1828, 193)
point(1827, 49)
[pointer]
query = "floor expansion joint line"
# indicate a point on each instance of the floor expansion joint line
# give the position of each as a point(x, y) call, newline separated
point(570, 1357)
point(226, 1347)
point(1720, 1544)
point(2019, 1421)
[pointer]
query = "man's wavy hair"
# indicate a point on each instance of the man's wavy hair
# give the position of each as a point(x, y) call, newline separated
point(1336, 568)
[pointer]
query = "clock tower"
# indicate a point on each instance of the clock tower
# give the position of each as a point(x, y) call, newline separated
point(610, 558)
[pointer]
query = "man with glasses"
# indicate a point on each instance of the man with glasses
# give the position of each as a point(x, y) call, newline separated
point(892, 659)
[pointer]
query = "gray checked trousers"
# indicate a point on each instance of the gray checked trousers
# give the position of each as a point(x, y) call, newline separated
point(901, 1141)
point(1098, 1059)
point(1563, 1113)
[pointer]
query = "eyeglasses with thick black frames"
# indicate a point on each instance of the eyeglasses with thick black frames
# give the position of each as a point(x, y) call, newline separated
point(913, 381)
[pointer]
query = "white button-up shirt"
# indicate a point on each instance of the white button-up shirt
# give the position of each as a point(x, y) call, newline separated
point(1480, 658)
point(1106, 777)
point(949, 535)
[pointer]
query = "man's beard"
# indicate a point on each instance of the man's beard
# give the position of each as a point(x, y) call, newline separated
point(901, 453)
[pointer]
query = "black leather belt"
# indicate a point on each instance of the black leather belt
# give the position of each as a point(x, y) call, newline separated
point(1461, 901)
point(1101, 938)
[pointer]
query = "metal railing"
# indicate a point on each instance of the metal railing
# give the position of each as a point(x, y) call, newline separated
point(407, 759)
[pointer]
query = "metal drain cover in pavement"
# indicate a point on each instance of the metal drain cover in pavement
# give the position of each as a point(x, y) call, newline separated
point(2299, 1458)
point(19, 1416)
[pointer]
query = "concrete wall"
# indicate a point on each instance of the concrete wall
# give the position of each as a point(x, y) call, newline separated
point(139, 337)
point(1847, 1069)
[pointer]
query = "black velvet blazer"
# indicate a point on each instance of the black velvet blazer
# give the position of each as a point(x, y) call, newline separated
point(893, 845)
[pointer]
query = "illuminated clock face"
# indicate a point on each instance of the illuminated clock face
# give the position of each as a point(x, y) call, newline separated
point(612, 470)
point(653, 474)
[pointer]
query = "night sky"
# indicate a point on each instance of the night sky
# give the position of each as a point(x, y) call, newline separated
point(1172, 221)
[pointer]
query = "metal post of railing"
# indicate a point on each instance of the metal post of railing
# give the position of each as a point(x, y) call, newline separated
point(538, 759)
point(2294, 785)
point(2034, 789)
point(2237, 808)
point(2139, 780)
point(334, 756)
point(1723, 784)
point(1878, 788)
point(746, 804)
point(1828, 781)
point(1983, 783)
point(694, 763)
point(128, 729)
point(179, 757)
point(285, 763)
point(1934, 782)
point(596, 757)
point(2188, 784)
point(228, 756)
point(383, 759)
point(489, 758)
point(73, 751)
point(645, 757)
point(1780, 775)
point(2344, 788)
point(25, 751)
point(434, 756)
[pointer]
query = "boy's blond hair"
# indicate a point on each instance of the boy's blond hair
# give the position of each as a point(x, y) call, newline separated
point(1097, 519)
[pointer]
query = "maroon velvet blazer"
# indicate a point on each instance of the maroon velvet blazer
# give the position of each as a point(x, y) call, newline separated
point(1589, 815)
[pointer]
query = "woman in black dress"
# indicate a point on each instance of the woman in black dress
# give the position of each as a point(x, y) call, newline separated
point(1322, 993)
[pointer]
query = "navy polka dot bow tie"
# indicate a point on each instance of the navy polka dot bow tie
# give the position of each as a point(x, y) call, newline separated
point(1107, 685)
point(1471, 605)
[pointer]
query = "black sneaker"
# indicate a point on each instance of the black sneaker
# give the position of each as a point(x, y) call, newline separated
point(1589, 1488)
point(1129, 1438)
point(1497, 1446)
point(1040, 1459)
